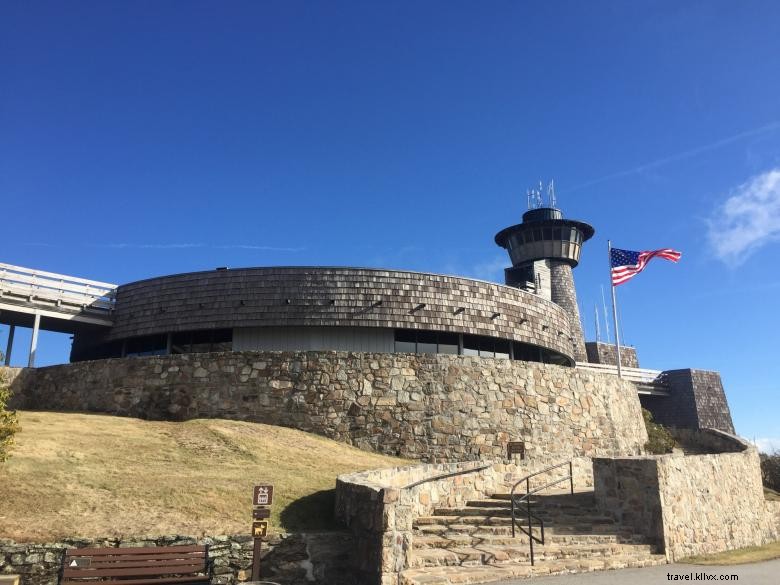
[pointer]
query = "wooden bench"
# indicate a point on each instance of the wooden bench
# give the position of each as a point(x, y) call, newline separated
point(156, 565)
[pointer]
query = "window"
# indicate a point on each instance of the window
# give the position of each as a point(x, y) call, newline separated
point(448, 343)
point(147, 345)
point(426, 342)
point(405, 341)
point(470, 345)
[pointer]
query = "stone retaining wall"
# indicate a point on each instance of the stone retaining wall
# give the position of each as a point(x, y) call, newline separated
point(294, 559)
point(380, 506)
point(428, 407)
point(696, 504)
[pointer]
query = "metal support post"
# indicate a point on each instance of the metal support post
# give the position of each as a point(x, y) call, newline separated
point(10, 345)
point(34, 340)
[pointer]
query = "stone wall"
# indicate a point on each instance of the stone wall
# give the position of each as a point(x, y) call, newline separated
point(289, 559)
point(564, 295)
point(696, 504)
point(606, 353)
point(380, 506)
point(428, 407)
point(696, 400)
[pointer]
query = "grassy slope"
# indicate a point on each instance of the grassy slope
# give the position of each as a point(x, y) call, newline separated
point(740, 556)
point(91, 475)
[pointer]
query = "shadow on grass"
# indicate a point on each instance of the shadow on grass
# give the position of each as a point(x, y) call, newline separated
point(311, 513)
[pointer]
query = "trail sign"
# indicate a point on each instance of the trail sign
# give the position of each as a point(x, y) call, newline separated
point(263, 495)
point(261, 513)
point(260, 529)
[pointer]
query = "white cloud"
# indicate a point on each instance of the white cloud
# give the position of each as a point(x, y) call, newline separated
point(492, 270)
point(748, 220)
point(767, 444)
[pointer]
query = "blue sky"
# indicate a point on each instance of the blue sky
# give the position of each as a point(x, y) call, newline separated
point(146, 138)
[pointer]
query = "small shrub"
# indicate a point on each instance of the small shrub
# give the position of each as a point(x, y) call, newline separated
point(659, 440)
point(770, 470)
point(9, 423)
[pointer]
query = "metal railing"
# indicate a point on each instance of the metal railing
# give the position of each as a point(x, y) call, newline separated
point(526, 498)
point(636, 375)
point(58, 290)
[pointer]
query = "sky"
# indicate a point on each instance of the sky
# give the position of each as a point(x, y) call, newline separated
point(154, 137)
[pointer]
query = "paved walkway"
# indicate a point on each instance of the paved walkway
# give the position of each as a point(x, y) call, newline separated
point(766, 573)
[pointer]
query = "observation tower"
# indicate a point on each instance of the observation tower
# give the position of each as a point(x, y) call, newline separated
point(543, 249)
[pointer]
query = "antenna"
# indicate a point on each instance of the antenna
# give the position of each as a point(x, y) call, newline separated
point(551, 193)
point(598, 329)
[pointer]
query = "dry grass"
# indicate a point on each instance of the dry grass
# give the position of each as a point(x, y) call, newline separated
point(771, 495)
point(92, 476)
point(752, 554)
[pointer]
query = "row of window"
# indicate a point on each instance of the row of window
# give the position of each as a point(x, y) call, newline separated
point(414, 341)
point(405, 341)
point(571, 234)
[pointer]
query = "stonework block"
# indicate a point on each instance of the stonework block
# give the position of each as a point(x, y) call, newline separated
point(606, 353)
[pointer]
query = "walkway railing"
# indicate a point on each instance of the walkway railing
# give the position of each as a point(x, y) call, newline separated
point(640, 376)
point(517, 501)
point(55, 290)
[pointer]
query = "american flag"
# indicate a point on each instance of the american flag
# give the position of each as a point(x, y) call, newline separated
point(626, 263)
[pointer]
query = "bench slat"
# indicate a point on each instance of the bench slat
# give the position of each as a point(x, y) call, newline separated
point(169, 570)
point(163, 581)
point(118, 560)
point(92, 552)
point(139, 564)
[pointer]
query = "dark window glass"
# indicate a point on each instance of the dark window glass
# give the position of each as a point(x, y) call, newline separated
point(470, 345)
point(147, 345)
point(486, 347)
point(405, 341)
point(502, 349)
point(426, 342)
point(181, 342)
point(557, 233)
point(537, 234)
point(448, 343)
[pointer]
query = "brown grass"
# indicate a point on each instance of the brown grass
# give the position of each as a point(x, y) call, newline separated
point(752, 554)
point(771, 495)
point(90, 475)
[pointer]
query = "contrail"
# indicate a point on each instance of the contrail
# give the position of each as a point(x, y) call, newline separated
point(679, 156)
point(177, 246)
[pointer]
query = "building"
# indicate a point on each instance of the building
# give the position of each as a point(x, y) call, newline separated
point(532, 318)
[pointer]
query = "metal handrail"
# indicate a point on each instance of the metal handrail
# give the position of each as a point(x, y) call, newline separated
point(446, 475)
point(526, 497)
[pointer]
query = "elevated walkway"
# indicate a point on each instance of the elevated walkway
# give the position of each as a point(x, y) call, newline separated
point(53, 302)
point(648, 382)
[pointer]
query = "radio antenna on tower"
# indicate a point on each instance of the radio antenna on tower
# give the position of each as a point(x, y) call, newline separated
point(551, 194)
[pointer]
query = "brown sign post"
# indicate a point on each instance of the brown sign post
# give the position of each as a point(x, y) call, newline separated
point(262, 498)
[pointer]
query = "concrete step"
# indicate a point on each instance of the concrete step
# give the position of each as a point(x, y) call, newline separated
point(503, 525)
point(546, 515)
point(462, 575)
point(454, 539)
point(485, 554)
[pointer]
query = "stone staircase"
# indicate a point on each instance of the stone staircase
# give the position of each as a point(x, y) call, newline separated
point(474, 544)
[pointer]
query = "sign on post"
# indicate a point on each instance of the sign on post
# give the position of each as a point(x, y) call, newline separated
point(261, 513)
point(262, 498)
point(260, 529)
point(263, 495)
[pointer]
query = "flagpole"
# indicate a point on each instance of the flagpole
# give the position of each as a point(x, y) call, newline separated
point(614, 309)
